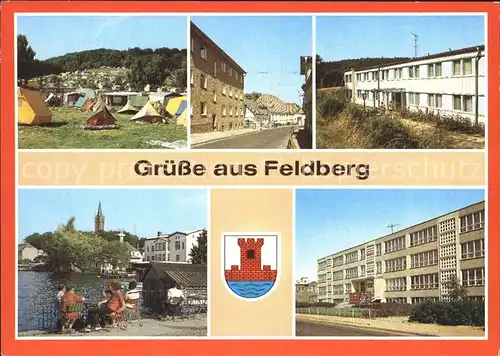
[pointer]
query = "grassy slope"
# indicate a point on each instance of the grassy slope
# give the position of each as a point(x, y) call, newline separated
point(67, 132)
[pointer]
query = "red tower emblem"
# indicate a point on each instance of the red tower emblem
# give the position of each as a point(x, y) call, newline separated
point(251, 263)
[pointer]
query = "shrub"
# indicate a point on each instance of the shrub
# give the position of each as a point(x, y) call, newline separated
point(456, 312)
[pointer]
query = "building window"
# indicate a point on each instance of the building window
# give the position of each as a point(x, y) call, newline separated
point(457, 102)
point(473, 277)
point(177, 245)
point(204, 52)
point(230, 111)
point(396, 264)
point(411, 74)
point(456, 68)
point(223, 90)
point(231, 92)
point(425, 281)
point(414, 98)
point(423, 236)
point(215, 68)
point(203, 82)
point(379, 267)
point(423, 259)
point(215, 97)
point(338, 261)
point(224, 67)
point(338, 275)
point(467, 103)
point(362, 253)
point(471, 222)
point(467, 66)
point(473, 249)
point(351, 273)
point(418, 300)
point(177, 258)
point(400, 300)
point(363, 271)
point(395, 244)
point(347, 288)
point(395, 284)
point(224, 110)
point(338, 289)
point(351, 257)
point(378, 247)
point(203, 107)
point(183, 245)
point(430, 100)
point(430, 70)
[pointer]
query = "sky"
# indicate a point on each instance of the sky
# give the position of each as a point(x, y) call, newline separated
point(350, 37)
point(329, 221)
point(268, 48)
point(143, 212)
point(52, 36)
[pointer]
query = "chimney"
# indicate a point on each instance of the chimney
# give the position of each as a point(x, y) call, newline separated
point(159, 234)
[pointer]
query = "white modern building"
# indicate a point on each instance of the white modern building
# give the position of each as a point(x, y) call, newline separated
point(174, 247)
point(451, 83)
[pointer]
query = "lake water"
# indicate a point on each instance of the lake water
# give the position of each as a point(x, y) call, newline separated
point(37, 295)
point(251, 289)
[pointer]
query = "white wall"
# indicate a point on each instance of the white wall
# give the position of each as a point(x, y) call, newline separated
point(447, 85)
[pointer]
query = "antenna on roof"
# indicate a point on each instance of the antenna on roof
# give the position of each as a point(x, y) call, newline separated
point(415, 43)
point(392, 226)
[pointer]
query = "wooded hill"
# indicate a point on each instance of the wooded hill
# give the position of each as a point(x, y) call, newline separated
point(331, 74)
point(171, 58)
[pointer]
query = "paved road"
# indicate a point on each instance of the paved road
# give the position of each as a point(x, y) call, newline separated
point(265, 139)
point(311, 328)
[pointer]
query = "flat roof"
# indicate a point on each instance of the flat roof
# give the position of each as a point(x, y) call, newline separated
point(431, 56)
point(399, 231)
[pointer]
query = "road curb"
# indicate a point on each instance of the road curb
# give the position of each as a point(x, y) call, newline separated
point(365, 327)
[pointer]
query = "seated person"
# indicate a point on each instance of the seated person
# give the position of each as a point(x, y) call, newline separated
point(115, 304)
point(132, 296)
point(106, 295)
point(68, 298)
point(60, 293)
point(175, 296)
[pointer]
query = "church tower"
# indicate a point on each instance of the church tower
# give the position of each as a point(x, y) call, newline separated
point(99, 220)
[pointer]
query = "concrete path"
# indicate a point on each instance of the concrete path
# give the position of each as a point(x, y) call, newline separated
point(316, 328)
point(195, 326)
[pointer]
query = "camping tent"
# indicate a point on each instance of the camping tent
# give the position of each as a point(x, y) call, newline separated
point(32, 109)
point(182, 118)
point(89, 103)
point(99, 104)
point(147, 114)
point(174, 104)
point(128, 108)
point(86, 95)
point(102, 119)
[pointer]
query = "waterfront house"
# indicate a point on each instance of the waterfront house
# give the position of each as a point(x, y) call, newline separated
point(28, 252)
point(173, 247)
point(161, 276)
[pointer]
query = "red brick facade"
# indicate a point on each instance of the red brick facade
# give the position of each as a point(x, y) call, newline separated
point(251, 263)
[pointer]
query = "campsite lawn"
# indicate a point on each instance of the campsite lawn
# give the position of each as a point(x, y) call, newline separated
point(66, 132)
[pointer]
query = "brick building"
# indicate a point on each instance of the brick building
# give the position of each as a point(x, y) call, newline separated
point(251, 268)
point(217, 86)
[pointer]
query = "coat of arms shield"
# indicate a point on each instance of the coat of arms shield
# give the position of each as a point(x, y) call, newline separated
point(251, 263)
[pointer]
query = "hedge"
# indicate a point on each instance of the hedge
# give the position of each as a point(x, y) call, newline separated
point(459, 312)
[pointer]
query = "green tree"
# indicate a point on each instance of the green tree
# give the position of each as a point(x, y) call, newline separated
point(457, 290)
point(198, 253)
point(25, 59)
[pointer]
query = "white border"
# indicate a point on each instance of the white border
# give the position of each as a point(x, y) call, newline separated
point(279, 251)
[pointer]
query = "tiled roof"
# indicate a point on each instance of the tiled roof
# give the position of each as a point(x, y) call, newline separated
point(188, 274)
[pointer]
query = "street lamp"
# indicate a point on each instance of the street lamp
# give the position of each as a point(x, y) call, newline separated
point(363, 95)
